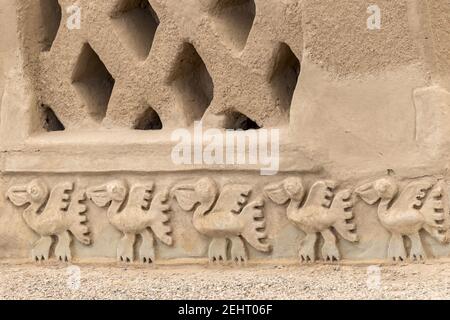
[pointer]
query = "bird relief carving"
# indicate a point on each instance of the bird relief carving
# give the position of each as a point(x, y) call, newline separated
point(133, 212)
point(321, 211)
point(422, 204)
point(225, 217)
point(57, 213)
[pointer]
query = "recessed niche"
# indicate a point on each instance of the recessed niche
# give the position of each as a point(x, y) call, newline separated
point(192, 82)
point(135, 22)
point(50, 121)
point(93, 82)
point(234, 20)
point(50, 19)
point(149, 120)
point(239, 121)
point(285, 75)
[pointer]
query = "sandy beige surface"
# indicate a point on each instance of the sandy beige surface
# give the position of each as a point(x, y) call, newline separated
point(409, 281)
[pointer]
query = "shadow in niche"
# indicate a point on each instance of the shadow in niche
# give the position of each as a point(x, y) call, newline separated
point(50, 121)
point(285, 75)
point(50, 18)
point(194, 88)
point(149, 120)
point(239, 121)
point(135, 22)
point(234, 19)
point(93, 82)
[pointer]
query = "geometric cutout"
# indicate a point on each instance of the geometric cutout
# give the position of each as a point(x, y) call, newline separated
point(285, 75)
point(234, 20)
point(192, 83)
point(239, 121)
point(135, 23)
point(93, 82)
point(50, 121)
point(149, 120)
point(50, 14)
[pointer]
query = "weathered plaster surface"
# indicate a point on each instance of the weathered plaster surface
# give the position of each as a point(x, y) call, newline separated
point(367, 104)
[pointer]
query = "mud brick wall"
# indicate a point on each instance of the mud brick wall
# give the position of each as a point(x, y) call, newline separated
point(87, 114)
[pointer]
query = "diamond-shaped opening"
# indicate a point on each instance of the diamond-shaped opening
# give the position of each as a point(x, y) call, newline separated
point(192, 82)
point(285, 75)
point(93, 82)
point(234, 19)
point(135, 22)
point(238, 121)
point(50, 121)
point(50, 14)
point(149, 120)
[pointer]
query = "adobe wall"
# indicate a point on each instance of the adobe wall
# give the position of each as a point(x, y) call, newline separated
point(88, 112)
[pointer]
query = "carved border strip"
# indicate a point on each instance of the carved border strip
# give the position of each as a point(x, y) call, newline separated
point(231, 217)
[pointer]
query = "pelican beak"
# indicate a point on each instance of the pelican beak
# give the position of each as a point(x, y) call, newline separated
point(181, 187)
point(18, 195)
point(185, 195)
point(368, 193)
point(99, 195)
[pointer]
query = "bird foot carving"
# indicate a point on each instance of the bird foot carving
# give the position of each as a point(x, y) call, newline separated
point(217, 250)
point(148, 257)
point(125, 257)
point(307, 252)
point(330, 252)
point(62, 250)
point(125, 250)
point(398, 258)
point(396, 251)
point(417, 256)
point(147, 249)
point(41, 249)
point(306, 258)
point(62, 254)
point(238, 252)
point(417, 252)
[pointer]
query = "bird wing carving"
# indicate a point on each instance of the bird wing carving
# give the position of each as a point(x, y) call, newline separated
point(160, 217)
point(233, 198)
point(321, 194)
point(58, 202)
point(77, 215)
point(342, 209)
point(413, 195)
point(140, 196)
point(436, 212)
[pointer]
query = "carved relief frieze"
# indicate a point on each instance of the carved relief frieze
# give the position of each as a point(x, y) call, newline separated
point(316, 213)
point(58, 212)
point(133, 210)
point(421, 205)
point(231, 217)
point(225, 216)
